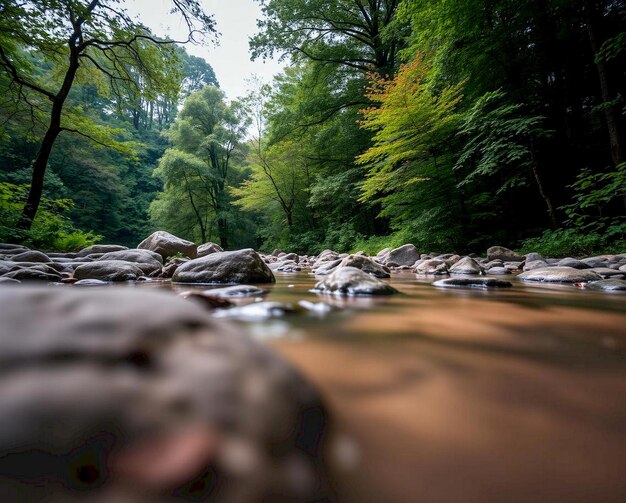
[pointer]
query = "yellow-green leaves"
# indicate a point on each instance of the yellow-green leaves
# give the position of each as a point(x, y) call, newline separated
point(410, 120)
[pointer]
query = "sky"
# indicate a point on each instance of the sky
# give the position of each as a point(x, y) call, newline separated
point(236, 21)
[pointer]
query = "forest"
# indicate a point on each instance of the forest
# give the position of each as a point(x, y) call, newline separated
point(450, 124)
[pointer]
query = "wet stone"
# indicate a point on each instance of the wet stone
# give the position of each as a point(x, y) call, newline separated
point(466, 265)
point(241, 266)
point(610, 285)
point(499, 271)
point(236, 291)
point(31, 256)
point(351, 281)
point(89, 282)
point(559, 274)
point(108, 270)
point(472, 283)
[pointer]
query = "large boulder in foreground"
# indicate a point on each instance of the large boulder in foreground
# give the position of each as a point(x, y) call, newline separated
point(117, 394)
point(351, 281)
point(167, 245)
point(231, 267)
point(560, 274)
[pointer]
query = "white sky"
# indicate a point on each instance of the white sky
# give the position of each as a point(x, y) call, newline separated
point(236, 21)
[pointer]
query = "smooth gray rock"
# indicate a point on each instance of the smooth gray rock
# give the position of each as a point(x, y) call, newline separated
point(499, 271)
point(351, 281)
point(404, 255)
point(167, 245)
point(260, 311)
point(472, 283)
point(605, 272)
point(325, 268)
point(102, 384)
point(595, 261)
point(560, 274)
point(366, 265)
point(228, 292)
point(572, 262)
point(9, 281)
point(534, 264)
point(31, 256)
point(532, 256)
point(241, 266)
point(208, 248)
point(108, 270)
point(148, 261)
point(502, 253)
point(9, 246)
point(431, 267)
point(33, 274)
point(326, 256)
point(90, 250)
point(90, 282)
point(466, 265)
point(285, 266)
point(609, 285)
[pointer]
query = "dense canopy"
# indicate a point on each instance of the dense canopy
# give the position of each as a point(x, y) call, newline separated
point(449, 124)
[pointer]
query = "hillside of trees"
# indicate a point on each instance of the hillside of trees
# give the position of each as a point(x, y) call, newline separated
point(449, 124)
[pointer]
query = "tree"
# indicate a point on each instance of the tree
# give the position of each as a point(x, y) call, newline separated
point(413, 124)
point(95, 40)
point(499, 137)
point(350, 33)
point(280, 174)
point(206, 140)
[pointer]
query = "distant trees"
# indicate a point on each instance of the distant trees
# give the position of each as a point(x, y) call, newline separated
point(198, 169)
point(95, 41)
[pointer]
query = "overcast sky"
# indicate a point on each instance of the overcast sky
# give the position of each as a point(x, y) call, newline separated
point(236, 21)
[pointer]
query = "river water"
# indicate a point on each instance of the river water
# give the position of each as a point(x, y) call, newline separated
point(465, 395)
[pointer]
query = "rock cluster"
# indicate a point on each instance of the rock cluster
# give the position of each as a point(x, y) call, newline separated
point(165, 256)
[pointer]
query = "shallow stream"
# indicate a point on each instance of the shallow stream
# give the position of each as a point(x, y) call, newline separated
point(462, 395)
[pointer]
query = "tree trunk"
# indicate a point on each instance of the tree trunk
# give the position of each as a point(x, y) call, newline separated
point(610, 115)
point(222, 230)
point(39, 172)
point(54, 128)
point(542, 190)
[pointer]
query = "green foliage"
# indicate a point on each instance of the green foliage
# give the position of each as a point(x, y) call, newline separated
point(198, 169)
point(594, 194)
point(591, 228)
point(571, 243)
point(498, 137)
point(409, 168)
point(51, 230)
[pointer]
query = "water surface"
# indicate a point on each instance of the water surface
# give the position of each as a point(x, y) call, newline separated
point(465, 395)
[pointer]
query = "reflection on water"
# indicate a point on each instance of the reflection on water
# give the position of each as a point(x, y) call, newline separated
point(466, 395)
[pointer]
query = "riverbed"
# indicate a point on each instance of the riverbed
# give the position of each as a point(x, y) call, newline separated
point(446, 395)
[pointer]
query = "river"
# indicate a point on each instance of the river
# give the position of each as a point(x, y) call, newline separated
point(465, 395)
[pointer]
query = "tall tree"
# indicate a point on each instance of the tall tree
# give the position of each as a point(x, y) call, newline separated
point(96, 39)
point(207, 141)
